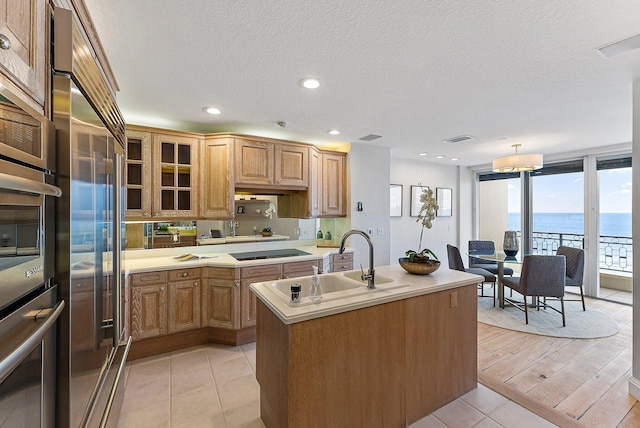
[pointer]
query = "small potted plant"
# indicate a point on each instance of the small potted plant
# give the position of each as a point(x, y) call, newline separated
point(268, 213)
point(419, 261)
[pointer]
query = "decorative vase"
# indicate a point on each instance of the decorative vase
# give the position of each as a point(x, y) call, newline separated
point(419, 266)
point(510, 244)
point(263, 233)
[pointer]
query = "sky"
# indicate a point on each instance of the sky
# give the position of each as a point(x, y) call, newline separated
point(564, 193)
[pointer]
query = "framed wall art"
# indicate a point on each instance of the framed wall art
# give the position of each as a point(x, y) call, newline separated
point(443, 197)
point(395, 200)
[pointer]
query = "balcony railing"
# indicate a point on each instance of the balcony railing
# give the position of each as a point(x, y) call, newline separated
point(615, 252)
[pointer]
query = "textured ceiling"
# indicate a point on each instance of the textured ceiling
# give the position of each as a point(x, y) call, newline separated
point(413, 71)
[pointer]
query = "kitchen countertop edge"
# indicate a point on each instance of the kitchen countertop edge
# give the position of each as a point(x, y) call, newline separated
point(443, 279)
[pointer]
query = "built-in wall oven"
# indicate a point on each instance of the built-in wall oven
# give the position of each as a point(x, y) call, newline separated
point(29, 306)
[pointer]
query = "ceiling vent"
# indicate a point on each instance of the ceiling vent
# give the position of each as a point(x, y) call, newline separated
point(623, 46)
point(370, 137)
point(458, 139)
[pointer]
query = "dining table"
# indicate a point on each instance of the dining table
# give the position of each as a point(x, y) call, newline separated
point(500, 258)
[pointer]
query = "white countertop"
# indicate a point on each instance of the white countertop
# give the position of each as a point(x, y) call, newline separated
point(442, 279)
point(219, 259)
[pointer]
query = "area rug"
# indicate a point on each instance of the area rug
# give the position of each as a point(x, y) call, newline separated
point(589, 324)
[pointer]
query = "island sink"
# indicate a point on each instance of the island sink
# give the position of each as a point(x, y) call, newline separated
point(334, 286)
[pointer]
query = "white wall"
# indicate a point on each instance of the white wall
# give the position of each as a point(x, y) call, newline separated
point(368, 182)
point(405, 231)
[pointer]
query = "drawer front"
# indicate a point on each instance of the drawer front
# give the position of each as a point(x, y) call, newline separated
point(340, 258)
point(271, 271)
point(222, 274)
point(341, 267)
point(299, 268)
point(159, 277)
point(184, 274)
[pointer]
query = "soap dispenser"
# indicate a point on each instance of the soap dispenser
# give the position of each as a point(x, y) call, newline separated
point(315, 294)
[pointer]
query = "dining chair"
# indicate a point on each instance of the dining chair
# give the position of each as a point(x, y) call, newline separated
point(541, 276)
point(575, 270)
point(489, 247)
point(455, 263)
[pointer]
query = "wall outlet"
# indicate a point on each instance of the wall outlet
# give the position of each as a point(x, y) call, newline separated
point(380, 231)
point(304, 231)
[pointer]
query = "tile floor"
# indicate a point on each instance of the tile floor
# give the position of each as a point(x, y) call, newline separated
point(215, 386)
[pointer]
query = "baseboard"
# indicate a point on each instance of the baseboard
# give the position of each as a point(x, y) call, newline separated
point(634, 387)
point(186, 339)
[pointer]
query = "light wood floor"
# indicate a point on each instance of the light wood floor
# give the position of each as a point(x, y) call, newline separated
point(585, 379)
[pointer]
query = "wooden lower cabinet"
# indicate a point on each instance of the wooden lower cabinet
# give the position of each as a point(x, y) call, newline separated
point(148, 311)
point(387, 365)
point(248, 300)
point(296, 269)
point(164, 302)
point(221, 298)
point(184, 306)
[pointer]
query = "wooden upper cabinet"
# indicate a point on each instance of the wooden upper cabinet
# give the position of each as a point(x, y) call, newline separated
point(218, 179)
point(175, 176)
point(138, 176)
point(315, 183)
point(254, 162)
point(291, 165)
point(333, 167)
point(23, 31)
point(267, 164)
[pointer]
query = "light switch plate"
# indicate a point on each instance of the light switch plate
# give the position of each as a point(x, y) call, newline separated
point(370, 231)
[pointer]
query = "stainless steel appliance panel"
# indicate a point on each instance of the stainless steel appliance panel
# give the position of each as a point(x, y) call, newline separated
point(27, 363)
point(89, 232)
point(26, 245)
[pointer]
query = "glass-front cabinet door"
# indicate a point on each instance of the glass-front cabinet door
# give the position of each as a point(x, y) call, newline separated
point(175, 176)
point(138, 176)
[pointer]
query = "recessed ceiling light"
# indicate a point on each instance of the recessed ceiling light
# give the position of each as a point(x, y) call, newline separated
point(454, 159)
point(333, 132)
point(310, 83)
point(212, 110)
point(440, 157)
point(422, 154)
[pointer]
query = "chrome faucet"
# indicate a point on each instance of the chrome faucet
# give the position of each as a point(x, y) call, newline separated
point(371, 274)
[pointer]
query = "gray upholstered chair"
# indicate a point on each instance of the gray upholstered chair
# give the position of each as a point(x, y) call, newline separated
point(487, 247)
point(455, 263)
point(575, 270)
point(541, 276)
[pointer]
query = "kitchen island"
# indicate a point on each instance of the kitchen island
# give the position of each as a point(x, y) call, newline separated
point(385, 357)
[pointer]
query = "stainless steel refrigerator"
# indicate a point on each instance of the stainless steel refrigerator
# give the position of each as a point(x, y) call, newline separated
point(89, 233)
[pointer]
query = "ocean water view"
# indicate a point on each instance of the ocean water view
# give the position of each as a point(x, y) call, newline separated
point(611, 224)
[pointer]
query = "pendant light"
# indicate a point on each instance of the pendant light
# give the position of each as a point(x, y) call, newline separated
point(517, 163)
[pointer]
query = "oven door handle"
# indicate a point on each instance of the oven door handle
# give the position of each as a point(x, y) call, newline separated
point(21, 184)
point(14, 359)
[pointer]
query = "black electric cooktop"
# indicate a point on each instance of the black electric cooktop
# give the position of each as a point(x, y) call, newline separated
point(268, 254)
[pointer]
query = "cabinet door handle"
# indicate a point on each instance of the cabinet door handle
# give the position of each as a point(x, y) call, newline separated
point(195, 284)
point(5, 43)
point(156, 213)
point(184, 274)
point(145, 213)
point(161, 289)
